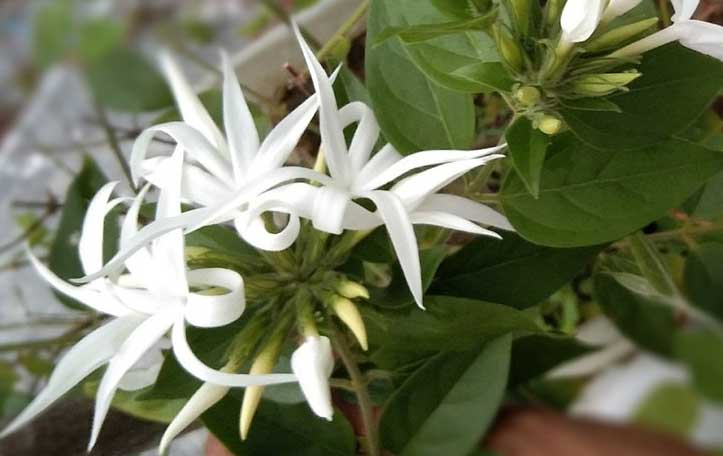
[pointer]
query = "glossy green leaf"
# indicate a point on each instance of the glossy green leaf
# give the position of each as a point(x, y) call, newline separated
point(651, 264)
point(414, 113)
point(424, 32)
point(280, 430)
point(63, 257)
point(704, 278)
point(677, 85)
point(702, 352)
point(591, 104)
point(484, 76)
point(123, 80)
point(590, 196)
point(462, 8)
point(641, 316)
point(446, 406)
point(527, 146)
point(510, 271)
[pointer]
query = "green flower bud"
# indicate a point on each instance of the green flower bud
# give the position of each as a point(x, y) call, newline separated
point(263, 364)
point(349, 314)
point(549, 125)
point(351, 290)
point(509, 49)
point(620, 35)
point(597, 85)
point(528, 96)
point(521, 15)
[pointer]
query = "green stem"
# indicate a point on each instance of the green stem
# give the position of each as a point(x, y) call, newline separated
point(114, 145)
point(359, 385)
point(343, 30)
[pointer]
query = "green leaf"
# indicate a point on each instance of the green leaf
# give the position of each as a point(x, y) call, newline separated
point(702, 352)
point(375, 248)
point(641, 317)
point(484, 76)
point(98, 37)
point(510, 271)
point(424, 32)
point(280, 430)
point(651, 264)
point(591, 104)
point(461, 8)
point(400, 336)
point(670, 407)
point(135, 403)
point(710, 203)
point(447, 405)
point(397, 294)
point(52, 31)
point(63, 256)
point(413, 112)
point(535, 355)
point(590, 196)
point(676, 87)
point(704, 278)
point(123, 80)
point(527, 146)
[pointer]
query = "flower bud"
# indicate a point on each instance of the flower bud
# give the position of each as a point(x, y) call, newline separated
point(596, 85)
point(263, 364)
point(528, 96)
point(549, 125)
point(349, 314)
point(620, 35)
point(521, 15)
point(313, 364)
point(509, 48)
point(352, 290)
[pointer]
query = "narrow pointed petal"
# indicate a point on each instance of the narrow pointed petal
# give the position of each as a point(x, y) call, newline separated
point(401, 232)
point(243, 139)
point(168, 250)
point(138, 342)
point(211, 311)
point(90, 353)
point(684, 9)
point(414, 189)
point(332, 134)
point(313, 363)
point(102, 302)
point(198, 369)
point(650, 42)
point(366, 134)
point(378, 164)
point(450, 221)
point(428, 158)
point(202, 188)
point(140, 264)
point(90, 245)
point(465, 208)
point(192, 110)
point(203, 399)
point(193, 143)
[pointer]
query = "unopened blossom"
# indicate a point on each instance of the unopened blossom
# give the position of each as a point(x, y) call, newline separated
point(313, 363)
point(699, 36)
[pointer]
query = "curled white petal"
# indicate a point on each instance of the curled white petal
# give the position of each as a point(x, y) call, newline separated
point(90, 245)
point(211, 311)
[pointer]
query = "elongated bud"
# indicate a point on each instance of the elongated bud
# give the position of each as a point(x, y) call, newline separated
point(203, 399)
point(521, 13)
point(509, 48)
point(352, 290)
point(552, 13)
point(263, 364)
point(313, 363)
point(349, 314)
point(595, 85)
point(549, 125)
point(528, 96)
point(620, 35)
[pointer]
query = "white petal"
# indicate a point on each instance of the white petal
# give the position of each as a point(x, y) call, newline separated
point(451, 221)
point(580, 18)
point(203, 399)
point(90, 245)
point(145, 372)
point(198, 369)
point(401, 232)
point(332, 134)
point(140, 264)
point(192, 110)
point(193, 143)
point(243, 139)
point(328, 209)
point(366, 134)
point(652, 41)
point(95, 299)
point(415, 188)
point(202, 188)
point(465, 208)
point(702, 37)
point(313, 363)
point(684, 9)
point(210, 311)
point(138, 342)
point(87, 355)
point(422, 159)
point(385, 158)
point(255, 233)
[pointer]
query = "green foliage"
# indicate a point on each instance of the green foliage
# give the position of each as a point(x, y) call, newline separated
point(52, 28)
point(414, 113)
point(448, 403)
point(589, 196)
point(63, 255)
point(280, 430)
point(510, 271)
point(702, 352)
point(670, 407)
point(676, 87)
point(527, 147)
point(704, 278)
point(396, 294)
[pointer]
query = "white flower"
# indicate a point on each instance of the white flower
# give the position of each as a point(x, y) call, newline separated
point(699, 36)
point(313, 363)
point(579, 19)
point(152, 298)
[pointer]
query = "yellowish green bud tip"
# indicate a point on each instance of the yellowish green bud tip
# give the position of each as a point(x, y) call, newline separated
point(528, 96)
point(348, 313)
point(352, 290)
point(549, 125)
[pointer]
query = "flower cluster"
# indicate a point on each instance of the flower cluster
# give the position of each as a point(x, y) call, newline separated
point(147, 290)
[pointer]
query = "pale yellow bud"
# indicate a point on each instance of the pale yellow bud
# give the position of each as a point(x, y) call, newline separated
point(352, 290)
point(349, 314)
point(528, 96)
point(596, 85)
point(549, 125)
point(263, 364)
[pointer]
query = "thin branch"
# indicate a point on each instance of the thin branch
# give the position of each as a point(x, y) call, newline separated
point(114, 145)
point(50, 208)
